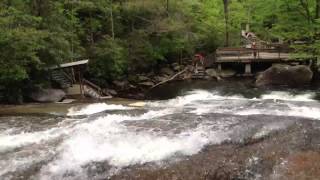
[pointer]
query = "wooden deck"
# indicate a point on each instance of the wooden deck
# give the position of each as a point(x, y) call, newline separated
point(245, 55)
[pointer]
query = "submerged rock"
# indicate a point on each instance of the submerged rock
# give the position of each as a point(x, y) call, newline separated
point(48, 95)
point(285, 75)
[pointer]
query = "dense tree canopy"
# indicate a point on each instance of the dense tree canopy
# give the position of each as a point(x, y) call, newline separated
point(126, 36)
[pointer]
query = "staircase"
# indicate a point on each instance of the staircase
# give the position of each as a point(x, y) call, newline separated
point(199, 73)
point(94, 91)
point(90, 92)
point(61, 78)
point(89, 88)
point(254, 38)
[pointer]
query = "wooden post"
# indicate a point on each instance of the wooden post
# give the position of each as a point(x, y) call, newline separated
point(220, 67)
point(80, 82)
point(248, 69)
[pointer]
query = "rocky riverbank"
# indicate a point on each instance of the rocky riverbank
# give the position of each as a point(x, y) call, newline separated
point(138, 86)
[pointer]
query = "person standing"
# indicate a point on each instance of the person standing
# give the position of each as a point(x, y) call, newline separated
point(198, 60)
point(254, 48)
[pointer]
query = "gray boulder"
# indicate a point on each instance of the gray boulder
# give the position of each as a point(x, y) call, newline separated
point(147, 83)
point(226, 73)
point(212, 72)
point(48, 95)
point(167, 71)
point(111, 92)
point(285, 75)
point(160, 78)
point(121, 84)
point(143, 78)
point(176, 67)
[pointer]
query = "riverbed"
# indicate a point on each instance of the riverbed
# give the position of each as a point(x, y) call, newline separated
point(228, 131)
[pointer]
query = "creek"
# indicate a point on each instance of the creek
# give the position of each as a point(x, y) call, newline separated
point(105, 140)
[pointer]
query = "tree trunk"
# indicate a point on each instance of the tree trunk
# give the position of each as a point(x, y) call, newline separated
point(112, 21)
point(167, 7)
point(226, 18)
point(317, 13)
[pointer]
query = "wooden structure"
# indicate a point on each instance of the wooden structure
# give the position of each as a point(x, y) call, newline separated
point(248, 56)
point(70, 76)
point(256, 51)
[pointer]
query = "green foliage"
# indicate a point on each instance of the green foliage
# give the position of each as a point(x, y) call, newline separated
point(128, 36)
point(109, 59)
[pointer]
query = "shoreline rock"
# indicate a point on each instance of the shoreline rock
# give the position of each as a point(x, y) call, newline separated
point(285, 75)
point(47, 95)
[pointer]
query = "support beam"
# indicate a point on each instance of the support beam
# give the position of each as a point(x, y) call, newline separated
point(248, 70)
point(219, 67)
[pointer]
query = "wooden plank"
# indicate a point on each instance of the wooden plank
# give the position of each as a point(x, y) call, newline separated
point(71, 64)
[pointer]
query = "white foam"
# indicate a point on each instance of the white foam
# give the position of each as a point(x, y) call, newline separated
point(269, 128)
point(108, 140)
point(22, 139)
point(22, 160)
point(295, 111)
point(95, 108)
point(286, 96)
point(193, 96)
point(9, 141)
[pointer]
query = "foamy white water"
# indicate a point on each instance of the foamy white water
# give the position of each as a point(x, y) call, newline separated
point(286, 96)
point(107, 139)
point(193, 97)
point(95, 108)
point(158, 131)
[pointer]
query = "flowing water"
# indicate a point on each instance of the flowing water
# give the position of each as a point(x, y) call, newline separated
point(99, 140)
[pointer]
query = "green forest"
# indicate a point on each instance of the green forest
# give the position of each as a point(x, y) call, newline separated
point(123, 37)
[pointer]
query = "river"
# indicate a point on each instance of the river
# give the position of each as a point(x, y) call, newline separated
point(252, 133)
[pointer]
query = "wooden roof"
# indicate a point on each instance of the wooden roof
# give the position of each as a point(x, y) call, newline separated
point(71, 64)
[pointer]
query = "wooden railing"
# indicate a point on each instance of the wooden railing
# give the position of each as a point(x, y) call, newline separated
point(240, 52)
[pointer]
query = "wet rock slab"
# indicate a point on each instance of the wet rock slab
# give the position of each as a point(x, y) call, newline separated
point(293, 153)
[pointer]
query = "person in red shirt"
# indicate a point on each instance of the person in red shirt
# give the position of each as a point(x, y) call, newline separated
point(198, 60)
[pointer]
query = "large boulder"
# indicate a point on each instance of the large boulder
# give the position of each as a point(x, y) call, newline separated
point(285, 75)
point(48, 95)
